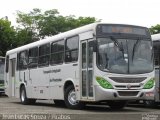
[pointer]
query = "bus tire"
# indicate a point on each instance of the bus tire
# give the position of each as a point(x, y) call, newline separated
point(117, 104)
point(23, 97)
point(70, 99)
point(59, 103)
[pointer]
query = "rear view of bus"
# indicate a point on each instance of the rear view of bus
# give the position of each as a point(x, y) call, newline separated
point(124, 64)
point(2, 61)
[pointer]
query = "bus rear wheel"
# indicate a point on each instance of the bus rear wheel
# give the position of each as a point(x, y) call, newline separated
point(117, 104)
point(70, 99)
point(23, 97)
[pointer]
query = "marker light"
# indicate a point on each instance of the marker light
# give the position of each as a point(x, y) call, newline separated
point(149, 84)
point(104, 83)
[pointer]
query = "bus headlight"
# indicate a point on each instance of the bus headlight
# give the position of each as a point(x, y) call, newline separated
point(149, 84)
point(104, 83)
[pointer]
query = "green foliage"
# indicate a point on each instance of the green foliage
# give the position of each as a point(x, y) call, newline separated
point(50, 22)
point(155, 29)
point(24, 36)
point(7, 36)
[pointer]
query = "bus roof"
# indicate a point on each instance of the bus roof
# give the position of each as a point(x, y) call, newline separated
point(69, 33)
point(156, 37)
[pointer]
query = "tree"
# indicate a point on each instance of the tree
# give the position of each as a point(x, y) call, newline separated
point(24, 36)
point(48, 23)
point(155, 29)
point(7, 36)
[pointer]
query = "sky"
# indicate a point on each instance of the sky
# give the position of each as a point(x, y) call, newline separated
point(136, 12)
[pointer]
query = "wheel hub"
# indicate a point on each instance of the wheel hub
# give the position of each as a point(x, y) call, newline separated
point(72, 98)
point(22, 96)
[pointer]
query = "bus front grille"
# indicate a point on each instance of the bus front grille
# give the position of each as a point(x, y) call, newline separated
point(127, 80)
point(128, 93)
point(126, 87)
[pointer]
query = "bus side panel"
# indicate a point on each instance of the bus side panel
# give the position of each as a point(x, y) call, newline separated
point(59, 75)
point(33, 83)
point(44, 83)
point(38, 83)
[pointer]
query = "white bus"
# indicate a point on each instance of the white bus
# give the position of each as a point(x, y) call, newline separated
point(2, 62)
point(156, 48)
point(110, 63)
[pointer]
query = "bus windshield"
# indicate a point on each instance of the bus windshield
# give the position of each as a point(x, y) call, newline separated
point(125, 56)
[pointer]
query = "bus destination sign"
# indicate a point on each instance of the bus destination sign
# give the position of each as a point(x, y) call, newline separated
point(122, 29)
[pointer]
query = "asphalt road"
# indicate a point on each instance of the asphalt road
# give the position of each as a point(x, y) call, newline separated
point(11, 108)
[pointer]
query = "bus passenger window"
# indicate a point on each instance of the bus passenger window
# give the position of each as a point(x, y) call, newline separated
point(33, 57)
point(71, 49)
point(44, 53)
point(23, 60)
point(57, 52)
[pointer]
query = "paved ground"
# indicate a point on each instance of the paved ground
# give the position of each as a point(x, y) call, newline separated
point(11, 108)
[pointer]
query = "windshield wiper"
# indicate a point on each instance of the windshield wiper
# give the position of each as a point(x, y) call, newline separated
point(134, 48)
point(119, 45)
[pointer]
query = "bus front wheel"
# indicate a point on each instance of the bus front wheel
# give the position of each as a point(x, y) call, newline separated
point(70, 99)
point(23, 97)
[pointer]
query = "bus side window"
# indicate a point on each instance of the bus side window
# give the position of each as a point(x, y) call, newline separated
point(57, 52)
point(23, 60)
point(33, 57)
point(44, 55)
point(71, 49)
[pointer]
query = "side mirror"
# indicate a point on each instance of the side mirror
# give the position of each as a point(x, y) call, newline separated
point(94, 45)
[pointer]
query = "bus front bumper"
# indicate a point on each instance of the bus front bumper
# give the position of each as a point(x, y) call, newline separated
point(131, 94)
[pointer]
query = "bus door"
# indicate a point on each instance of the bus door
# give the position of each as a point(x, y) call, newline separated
point(12, 77)
point(157, 71)
point(87, 69)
